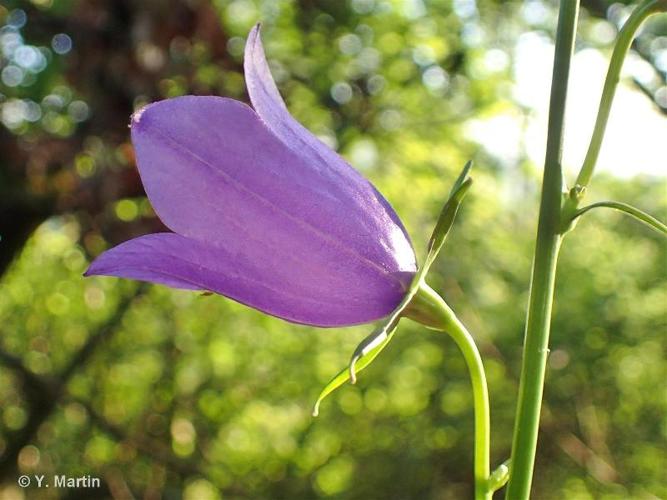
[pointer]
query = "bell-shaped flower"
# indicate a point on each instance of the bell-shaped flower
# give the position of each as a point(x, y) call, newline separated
point(261, 211)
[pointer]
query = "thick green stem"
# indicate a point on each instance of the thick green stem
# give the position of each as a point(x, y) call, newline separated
point(538, 322)
point(623, 42)
point(431, 310)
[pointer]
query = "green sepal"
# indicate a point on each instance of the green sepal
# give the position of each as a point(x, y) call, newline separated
point(637, 214)
point(447, 216)
point(370, 347)
point(463, 176)
point(344, 375)
point(379, 338)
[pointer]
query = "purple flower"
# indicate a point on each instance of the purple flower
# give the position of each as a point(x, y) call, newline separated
point(261, 211)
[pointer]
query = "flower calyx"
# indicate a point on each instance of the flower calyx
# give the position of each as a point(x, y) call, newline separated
point(415, 302)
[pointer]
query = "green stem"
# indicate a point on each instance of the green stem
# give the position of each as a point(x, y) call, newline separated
point(641, 216)
point(538, 322)
point(623, 42)
point(431, 310)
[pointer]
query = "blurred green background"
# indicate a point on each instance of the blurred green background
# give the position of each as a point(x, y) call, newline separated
point(171, 394)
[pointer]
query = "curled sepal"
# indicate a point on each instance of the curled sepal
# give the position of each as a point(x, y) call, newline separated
point(370, 347)
point(365, 359)
point(639, 215)
point(379, 338)
point(447, 215)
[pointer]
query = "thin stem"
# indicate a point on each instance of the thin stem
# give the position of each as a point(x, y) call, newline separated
point(639, 215)
point(430, 309)
point(623, 42)
point(538, 322)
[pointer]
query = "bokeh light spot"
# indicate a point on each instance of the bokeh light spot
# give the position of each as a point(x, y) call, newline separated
point(61, 43)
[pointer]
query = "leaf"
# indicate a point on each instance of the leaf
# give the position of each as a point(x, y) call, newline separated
point(637, 214)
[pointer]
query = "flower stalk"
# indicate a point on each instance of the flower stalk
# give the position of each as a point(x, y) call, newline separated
point(555, 221)
point(538, 321)
point(428, 308)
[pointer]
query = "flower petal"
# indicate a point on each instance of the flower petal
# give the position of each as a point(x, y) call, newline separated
point(214, 173)
point(271, 108)
point(182, 262)
point(266, 100)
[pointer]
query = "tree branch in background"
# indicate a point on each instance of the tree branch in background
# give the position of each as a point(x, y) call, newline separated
point(43, 394)
point(105, 69)
point(149, 447)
